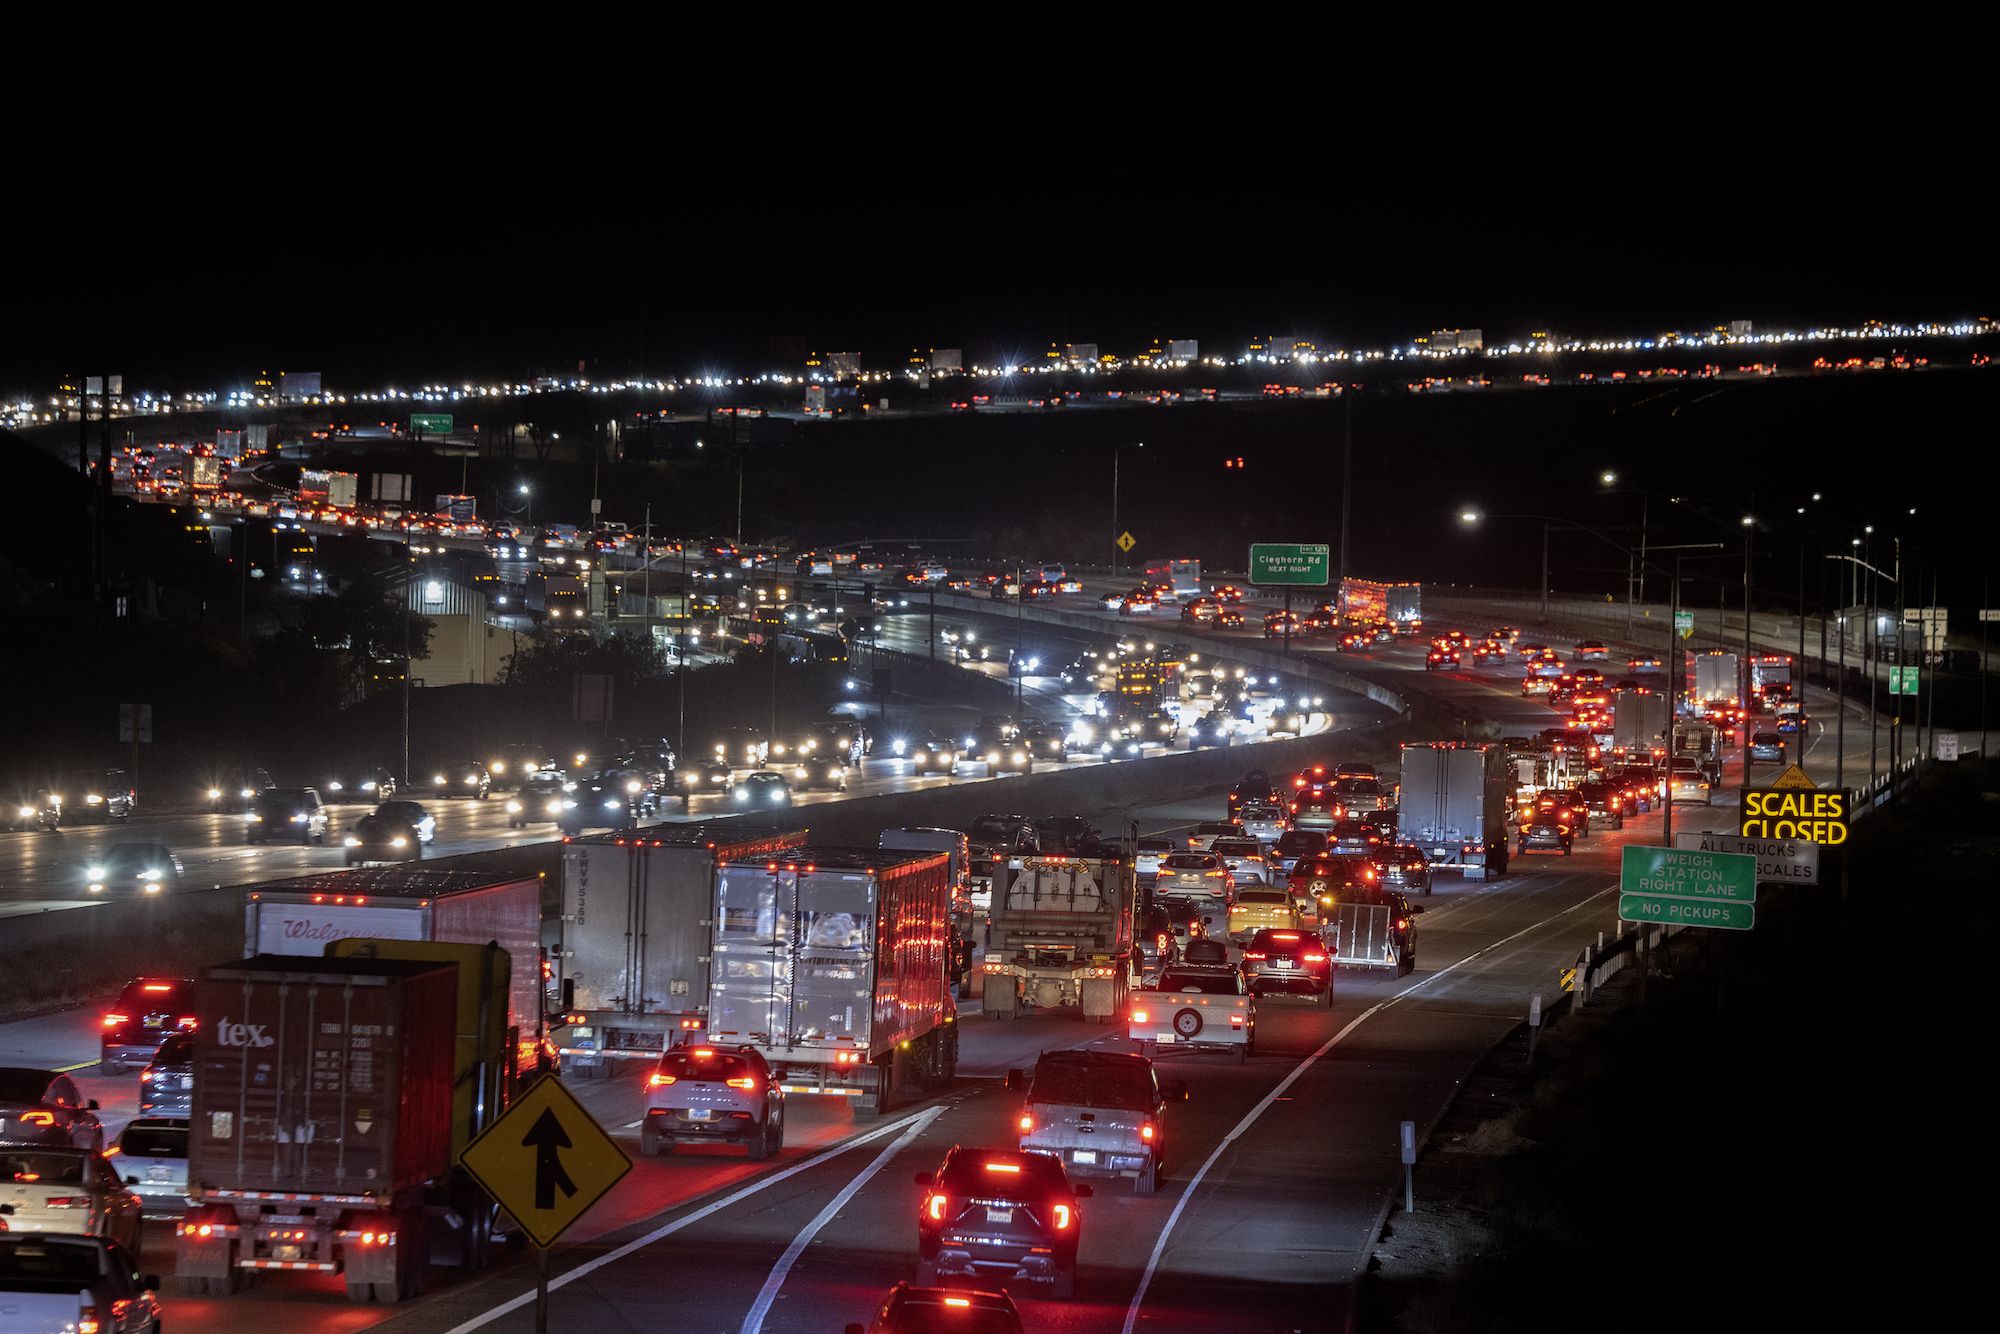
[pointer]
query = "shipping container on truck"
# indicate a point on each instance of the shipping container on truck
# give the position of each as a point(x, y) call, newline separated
point(321, 1124)
point(300, 917)
point(633, 962)
point(1639, 726)
point(1062, 935)
point(1454, 805)
point(1181, 575)
point(834, 963)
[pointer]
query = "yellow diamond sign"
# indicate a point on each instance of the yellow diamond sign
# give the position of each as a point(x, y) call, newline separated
point(1793, 777)
point(1126, 541)
point(545, 1161)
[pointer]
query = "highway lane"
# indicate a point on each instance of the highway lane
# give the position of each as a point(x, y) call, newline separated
point(1280, 1221)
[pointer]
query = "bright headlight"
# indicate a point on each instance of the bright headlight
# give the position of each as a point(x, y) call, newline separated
point(351, 841)
point(298, 819)
point(514, 808)
point(215, 794)
point(898, 745)
point(612, 804)
point(96, 873)
point(398, 841)
point(93, 800)
point(556, 805)
point(246, 793)
point(633, 786)
point(472, 780)
point(438, 779)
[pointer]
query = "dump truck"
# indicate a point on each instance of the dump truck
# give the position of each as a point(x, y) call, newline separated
point(1716, 679)
point(1454, 805)
point(1062, 935)
point(632, 962)
point(303, 916)
point(323, 1131)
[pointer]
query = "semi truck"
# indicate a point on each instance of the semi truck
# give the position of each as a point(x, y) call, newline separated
point(324, 1125)
point(1639, 725)
point(1182, 576)
point(1715, 678)
point(303, 916)
point(835, 965)
point(632, 961)
point(1770, 679)
point(1454, 805)
point(1368, 602)
point(1062, 932)
point(321, 487)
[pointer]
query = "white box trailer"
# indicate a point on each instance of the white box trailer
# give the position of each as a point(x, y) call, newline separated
point(1454, 805)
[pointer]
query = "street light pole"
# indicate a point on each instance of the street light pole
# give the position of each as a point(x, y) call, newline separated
point(1545, 573)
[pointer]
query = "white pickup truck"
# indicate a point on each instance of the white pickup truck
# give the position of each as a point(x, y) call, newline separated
point(1200, 1007)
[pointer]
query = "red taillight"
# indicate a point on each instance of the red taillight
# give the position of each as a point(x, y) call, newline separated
point(660, 1081)
point(1254, 954)
point(113, 1020)
point(188, 1021)
point(1315, 958)
point(35, 1118)
point(934, 1206)
point(1062, 1217)
point(66, 1202)
point(1161, 940)
point(745, 1082)
point(1402, 923)
point(1028, 1120)
point(1147, 1131)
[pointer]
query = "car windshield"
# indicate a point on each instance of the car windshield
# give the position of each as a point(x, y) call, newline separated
point(1034, 1172)
point(1236, 847)
point(994, 831)
point(714, 1067)
point(56, 1169)
point(924, 1313)
point(135, 857)
point(23, 1085)
point(1358, 787)
point(1190, 861)
point(140, 1141)
point(47, 1263)
point(1200, 981)
point(1154, 845)
point(281, 799)
point(1260, 812)
point(1078, 1084)
point(1261, 896)
point(149, 997)
point(1301, 842)
point(406, 811)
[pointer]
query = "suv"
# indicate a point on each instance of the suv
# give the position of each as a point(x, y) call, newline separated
point(1321, 880)
point(1000, 1214)
point(287, 812)
point(147, 1010)
point(108, 795)
point(701, 1095)
point(1766, 746)
point(1099, 1113)
point(1288, 961)
point(142, 868)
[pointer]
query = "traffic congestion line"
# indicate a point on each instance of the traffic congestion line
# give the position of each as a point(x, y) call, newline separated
point(753, 1323)
point(709, 1210)
point(1250, 1117)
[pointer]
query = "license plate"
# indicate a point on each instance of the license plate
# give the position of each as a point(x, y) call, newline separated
point(700, 1114)
point(153, 1021)
point(1166, 1037)
point(1282, 963)
point(187, 1081)
point(999, 1215)
point(157, 1174)
point(1085, 1156)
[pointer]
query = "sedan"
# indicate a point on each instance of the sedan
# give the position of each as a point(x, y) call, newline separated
point(927, 752)
point(134, 868)
point(1543, 834)
point(166, 1085)
point(974, 1310)
point(1000, 1214)
point(1295, 962)
point(762, 790)
point(68, 1190)
point(153, 1155)
point(377, 837)
point(462, 778)
point(43, 1107)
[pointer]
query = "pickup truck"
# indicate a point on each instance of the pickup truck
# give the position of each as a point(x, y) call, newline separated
point(1199, 1007)
point(1101, 1113)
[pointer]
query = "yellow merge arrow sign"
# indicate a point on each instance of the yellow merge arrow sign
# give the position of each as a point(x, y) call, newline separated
point(1126, 541)
point(545, 1161)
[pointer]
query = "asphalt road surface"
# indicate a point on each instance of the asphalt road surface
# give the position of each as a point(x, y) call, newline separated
point(1278, 1169)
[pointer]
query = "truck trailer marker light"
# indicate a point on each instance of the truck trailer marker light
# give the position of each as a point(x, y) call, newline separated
point(1139, 1017)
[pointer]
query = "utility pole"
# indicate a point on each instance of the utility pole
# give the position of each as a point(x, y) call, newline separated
point(1347, 475)
point(409, 587)
point(1545, 574)
point(1675, 679)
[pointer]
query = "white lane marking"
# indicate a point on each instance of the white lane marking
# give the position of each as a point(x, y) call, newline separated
point(668, 1229)
point(753, 1323)
point(1250, 1117)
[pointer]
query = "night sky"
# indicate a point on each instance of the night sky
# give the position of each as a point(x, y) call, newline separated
point(1620, 227)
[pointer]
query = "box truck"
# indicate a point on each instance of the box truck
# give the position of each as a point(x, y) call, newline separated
point(1454, 805)
point(1062, 934)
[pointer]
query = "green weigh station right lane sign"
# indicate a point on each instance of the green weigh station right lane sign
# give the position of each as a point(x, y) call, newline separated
point(1683, 887)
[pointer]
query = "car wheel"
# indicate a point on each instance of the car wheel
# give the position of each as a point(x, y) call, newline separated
point(107, 1066)
point(649, 1139)
point(1568, 850)
point(1242, 1054)
point(1064, 1286)
point(759, 1144)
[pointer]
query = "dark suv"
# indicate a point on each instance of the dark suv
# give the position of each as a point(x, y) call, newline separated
point(287, 813)
point(704, 1095)
point(146, 1012)
point(999, 1213)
